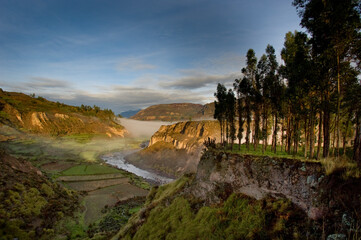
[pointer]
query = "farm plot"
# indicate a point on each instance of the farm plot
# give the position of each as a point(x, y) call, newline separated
point(96, 200)
point(105, 186)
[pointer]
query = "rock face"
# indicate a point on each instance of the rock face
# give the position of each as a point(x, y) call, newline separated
point(176, 149)
point(37, 115)
point(260, 176)
point(187, 135)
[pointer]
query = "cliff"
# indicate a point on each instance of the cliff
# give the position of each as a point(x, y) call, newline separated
point(38, 115)
point(187, 135)
point(247, 197)
point(176, 112)
point(176, 149)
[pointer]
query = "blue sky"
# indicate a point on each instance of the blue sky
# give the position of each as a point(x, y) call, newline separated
point(130, 54)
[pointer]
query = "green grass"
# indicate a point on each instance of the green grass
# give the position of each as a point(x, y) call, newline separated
point(93, 169)
point(239, 217)
point(267, 152)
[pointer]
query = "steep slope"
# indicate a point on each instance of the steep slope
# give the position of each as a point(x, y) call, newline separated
point(175, 149)
point(30, 205)
point(38, 115)
point(245, 197)
point(175, 112)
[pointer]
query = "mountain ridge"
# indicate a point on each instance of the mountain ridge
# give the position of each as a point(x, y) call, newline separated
point(176, 112)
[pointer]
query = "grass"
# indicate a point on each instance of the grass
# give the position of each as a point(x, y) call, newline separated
point(330, 164)
point(268, 152)
point(92, 169)
point(239, 217)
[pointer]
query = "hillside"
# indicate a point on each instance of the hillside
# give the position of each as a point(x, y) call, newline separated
point(129, 113)
point(38, 115)
point(30, 204)
point(176, 112)
point(176, 149)
point(246, 197)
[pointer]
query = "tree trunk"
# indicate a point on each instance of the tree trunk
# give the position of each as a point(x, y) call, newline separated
point(289, 135)
point(295, 137)
point(248, 112)
point(306, 136)
point(338, 105)
point(282, 136)
point(275, 130)
point(334, 136)
point(240, 127)
point(256, 128)
point(312, 133)
point(357, 141)
point(319, 143)
point(326, 133)
point(346, 132)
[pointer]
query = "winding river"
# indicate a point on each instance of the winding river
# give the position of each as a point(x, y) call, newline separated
point(117, 159)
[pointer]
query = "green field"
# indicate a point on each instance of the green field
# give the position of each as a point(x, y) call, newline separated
point(92, 169)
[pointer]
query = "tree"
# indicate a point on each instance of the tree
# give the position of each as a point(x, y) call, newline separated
point(230, 116)
point(248, 86)
point(335, 30)
point(240, 110)
point(220, 104)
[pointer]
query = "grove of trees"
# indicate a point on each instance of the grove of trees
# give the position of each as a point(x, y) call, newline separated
point(312, 99)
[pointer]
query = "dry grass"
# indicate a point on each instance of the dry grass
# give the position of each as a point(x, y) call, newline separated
point(344, 164)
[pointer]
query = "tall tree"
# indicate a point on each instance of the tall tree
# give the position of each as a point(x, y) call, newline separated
point(220, 106)
point(334, 26)
point(249, 88)
point(240, 109)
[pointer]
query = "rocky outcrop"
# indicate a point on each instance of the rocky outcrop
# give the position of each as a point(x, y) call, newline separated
point(37, 115)
point(222, 173)
point(187, 135)
point(176, 149)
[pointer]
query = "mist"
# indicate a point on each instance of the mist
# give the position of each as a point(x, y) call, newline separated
point(141, 129)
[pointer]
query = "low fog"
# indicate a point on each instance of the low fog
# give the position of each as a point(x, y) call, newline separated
point(144, 129)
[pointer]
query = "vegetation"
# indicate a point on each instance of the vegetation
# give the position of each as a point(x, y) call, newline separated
point(175, 112)
point(89, 169)
point(171, 214)
point(30, 205)
point(313, 98)
point(114, 218)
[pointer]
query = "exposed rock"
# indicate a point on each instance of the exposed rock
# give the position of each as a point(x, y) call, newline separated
point(258, 177)
point(176, 149)
point(187, 135)
point(337, 237)
point(38, 115)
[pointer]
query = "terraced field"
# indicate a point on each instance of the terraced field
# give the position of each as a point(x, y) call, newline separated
point(104, 186)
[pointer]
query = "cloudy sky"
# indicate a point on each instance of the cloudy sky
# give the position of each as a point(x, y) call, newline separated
point(130, 54)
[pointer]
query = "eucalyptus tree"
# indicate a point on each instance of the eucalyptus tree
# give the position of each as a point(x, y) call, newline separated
point(249, 87)
point(298, 72)
point(220, 106)
point(334, 27)
point(230, 116)
point(240, 109)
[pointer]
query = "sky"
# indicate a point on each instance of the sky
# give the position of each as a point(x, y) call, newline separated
point(131, 54)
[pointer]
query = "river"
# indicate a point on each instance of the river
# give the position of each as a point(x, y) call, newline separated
point(117, 159)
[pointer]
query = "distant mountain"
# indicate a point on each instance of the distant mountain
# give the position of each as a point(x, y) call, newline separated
point(176, 112)
point(129, 113)
point(38, 115)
